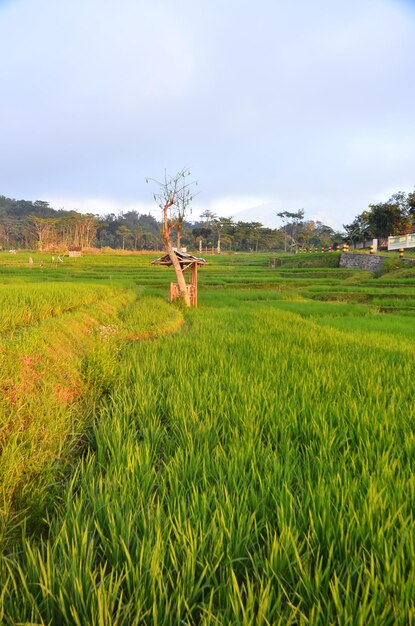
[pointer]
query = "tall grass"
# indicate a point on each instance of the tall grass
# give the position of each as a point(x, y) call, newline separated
point(23, 304)
point(58, 355)
point(43, 387)
point(255, 469)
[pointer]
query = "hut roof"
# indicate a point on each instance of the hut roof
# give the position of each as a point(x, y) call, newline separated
point(185, 260)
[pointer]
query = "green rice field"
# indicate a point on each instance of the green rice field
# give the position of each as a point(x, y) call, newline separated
point(248, 462)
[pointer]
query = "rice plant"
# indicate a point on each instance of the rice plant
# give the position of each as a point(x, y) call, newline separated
point(59, 355)
point(256, 467)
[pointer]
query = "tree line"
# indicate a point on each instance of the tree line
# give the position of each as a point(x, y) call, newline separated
point(36, 225)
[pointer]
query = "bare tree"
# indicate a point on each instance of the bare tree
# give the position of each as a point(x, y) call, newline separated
point(174, 198)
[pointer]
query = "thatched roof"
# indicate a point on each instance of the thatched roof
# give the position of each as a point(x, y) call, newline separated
point(185, 260)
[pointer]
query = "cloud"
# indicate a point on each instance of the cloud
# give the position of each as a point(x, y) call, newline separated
point(308, 104)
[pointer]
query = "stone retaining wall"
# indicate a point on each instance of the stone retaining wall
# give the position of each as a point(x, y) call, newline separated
point(368, 262)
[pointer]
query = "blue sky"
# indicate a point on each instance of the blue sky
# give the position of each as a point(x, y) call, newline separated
point(276, 105)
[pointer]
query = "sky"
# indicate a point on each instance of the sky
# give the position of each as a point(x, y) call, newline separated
point(274, 105)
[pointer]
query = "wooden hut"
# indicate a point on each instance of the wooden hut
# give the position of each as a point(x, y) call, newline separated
point(187, 262)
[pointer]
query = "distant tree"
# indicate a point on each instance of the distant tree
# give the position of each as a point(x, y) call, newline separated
point(240, 235)
point(201, 234)
point(137, 234)
point(254, 234)
point(307, 233)
point(43, 227)
point(267, 238)
point(359, 229)
point(208, 216)
point(291, 221)
point(391, 217)
point(227, 230)
point(149, 224)
point(217, 224)
point(42, 208)
point(123, 232)
point(323, 232)
point(220, 225)
point(130, 219)
point(151, 241)
point(3, 236)
point(411, 203)
point(227, 239)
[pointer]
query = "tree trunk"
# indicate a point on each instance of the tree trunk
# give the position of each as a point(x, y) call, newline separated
point(173, 257)
point(179, 272)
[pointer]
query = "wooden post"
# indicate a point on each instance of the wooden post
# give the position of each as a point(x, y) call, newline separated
point(194, 283)
point(174, 292)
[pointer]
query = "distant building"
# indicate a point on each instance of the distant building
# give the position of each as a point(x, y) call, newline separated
point(75, 251)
